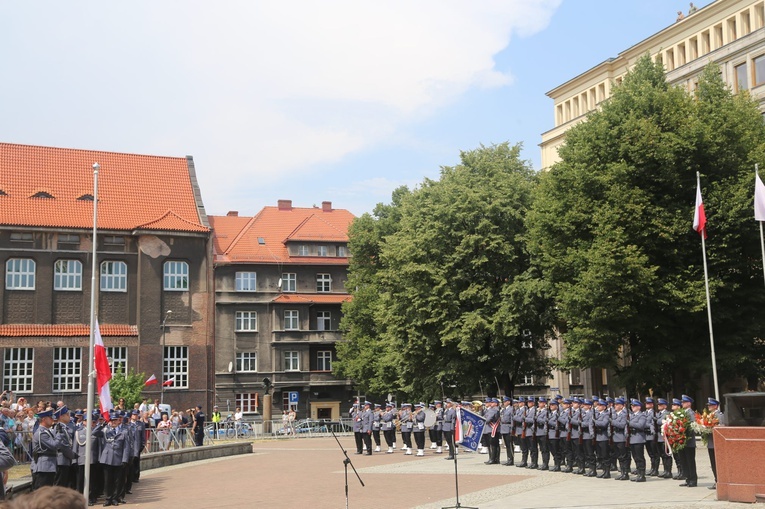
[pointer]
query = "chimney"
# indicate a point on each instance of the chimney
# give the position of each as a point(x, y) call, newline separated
point(285, 204)
point(326, 206)
point(233, 213)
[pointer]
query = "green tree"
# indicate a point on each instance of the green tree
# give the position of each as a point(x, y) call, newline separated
point(610, 230)
point(445, 291)
point(128, 386)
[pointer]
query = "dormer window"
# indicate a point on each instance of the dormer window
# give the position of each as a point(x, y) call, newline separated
point(342, 251)
point(3, 193)
point(322, 251)
point(42, 194)
point(86, 197)
point(302, 250)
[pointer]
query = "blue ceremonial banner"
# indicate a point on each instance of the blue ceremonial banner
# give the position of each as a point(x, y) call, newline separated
point(469, 429)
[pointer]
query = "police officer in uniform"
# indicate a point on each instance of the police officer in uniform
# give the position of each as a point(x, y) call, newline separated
point(553, 434)
point(438, 428)
point(575, 434)
point(531, 435)
point(138, 445)
point(65, 453)
point(376, 421)
point(564, 425)
point(519, 418)
point(666, 457)
point(638, 426)
point(506, 428)
point(542, 416)
point(45, 444)
point(366, 426)
point(405, 417)
point(355, 414)
point(113, 457)
point(618, 429)
point(687, 454)
point(491, 430)
point(588, 437)
point(96, 472)
point(199, 426)
point(450, 418)
point(714, 408)
point(388, 429)
point(602, 423)
point(419, 428)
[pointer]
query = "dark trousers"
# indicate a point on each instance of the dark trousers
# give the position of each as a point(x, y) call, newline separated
point(357, 437)
point(135, 469)
point(589, 454)
point(376, 436)
point(638, 454)
point(687, 458)
point(449, 436)
point(577, 452)
point(199, 437)
point(96, 480)
point(713, 462)
point(112, 482)
point(485, 439)
point(652, 448)
point(62, 476)
point(533, 449)
point(419, 439)
point(554, 445)
point(508, 439)
point(544, 449)
point(389, 435)
point(367, 438)
point(620, 452)
point(666, 457)
point(567, 451)
point(603, 455)
point(439, 438)
point(406, 437)
point(432, 435)
point(41, 479)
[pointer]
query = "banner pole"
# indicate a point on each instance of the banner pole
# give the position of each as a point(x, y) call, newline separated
point(709, 303)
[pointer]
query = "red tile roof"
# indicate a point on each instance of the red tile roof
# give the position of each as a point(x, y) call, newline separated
point(134, 191)
point(235, 239)
point(312, 298)
point(59, 330)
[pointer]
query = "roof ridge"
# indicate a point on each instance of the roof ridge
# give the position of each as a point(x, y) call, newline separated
point(90, 150)
point(300, 225)
point(242, 232)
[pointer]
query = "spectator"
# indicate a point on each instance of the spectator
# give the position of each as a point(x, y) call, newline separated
point(216, 418)
point(143, 407)
point(692, 9)
point(175, 426)
point(163, 432)
point(155, 416)
point(680, 16)
point(121, 405)
point(291, 416)
point(184, 426)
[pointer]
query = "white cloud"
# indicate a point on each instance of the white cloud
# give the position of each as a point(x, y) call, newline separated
point(255, 89)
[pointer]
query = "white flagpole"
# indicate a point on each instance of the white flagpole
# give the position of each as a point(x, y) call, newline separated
point(762, 237)
point(709, 303)
point(92, 364)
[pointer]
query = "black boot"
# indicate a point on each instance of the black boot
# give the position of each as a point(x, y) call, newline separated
point(590, 473)
point(641, 475)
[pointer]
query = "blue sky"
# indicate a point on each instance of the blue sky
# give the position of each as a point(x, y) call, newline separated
point(310, 101)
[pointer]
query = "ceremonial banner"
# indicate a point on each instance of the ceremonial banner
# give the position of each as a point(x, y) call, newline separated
point(470, 428)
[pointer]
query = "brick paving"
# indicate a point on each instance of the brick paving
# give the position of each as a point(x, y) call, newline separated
point(308, 473)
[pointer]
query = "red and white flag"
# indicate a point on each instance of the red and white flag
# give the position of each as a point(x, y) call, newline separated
point(152, 380)
point(169, 381)
point(458, 436)
point(699, 216)
point(103, 373)
point(759, 199)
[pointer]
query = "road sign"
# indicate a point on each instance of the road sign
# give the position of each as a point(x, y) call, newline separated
point(293, 395)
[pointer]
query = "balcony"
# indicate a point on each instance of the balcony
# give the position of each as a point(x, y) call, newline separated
point(306, 336)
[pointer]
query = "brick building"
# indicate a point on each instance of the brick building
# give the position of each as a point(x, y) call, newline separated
point(153, 256)
point(279, 288)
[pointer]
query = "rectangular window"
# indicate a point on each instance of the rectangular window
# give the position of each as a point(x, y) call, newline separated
point(342, 251)
point(68, 239)
point(67, 275)
point(176, 367)
point(323, 283)
point(248, 402)
point(113, 276)
point(759, 70)
point(20, 274)
point(113, 240)
point(292, 361)
point(322, 251)
point(575, 377)
point(246, 281)
point(291, 320)
point(246, 362)
point(302, 250)
point(526, 380)
point(18, 368)
point(118, 359)
point(246, 321)
point(323, 320)
point(289, 282)
point(176, 276)
point(324, 360)
point(742, 83)
point(22, 237)
point(286, 405)
point(67, 369)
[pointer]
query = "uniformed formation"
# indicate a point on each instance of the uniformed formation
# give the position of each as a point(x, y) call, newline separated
point(589, 437)
point(58, 453)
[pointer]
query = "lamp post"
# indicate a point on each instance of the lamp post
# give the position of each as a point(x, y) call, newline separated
point(162, 389)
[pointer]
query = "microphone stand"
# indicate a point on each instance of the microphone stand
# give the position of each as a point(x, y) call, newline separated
point(346, 462)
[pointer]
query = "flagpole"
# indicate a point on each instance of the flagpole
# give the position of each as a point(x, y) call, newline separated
point(762, 237)
point(91, 351)
point(709, 302)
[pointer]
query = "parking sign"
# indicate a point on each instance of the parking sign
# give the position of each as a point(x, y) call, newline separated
point(293, 395)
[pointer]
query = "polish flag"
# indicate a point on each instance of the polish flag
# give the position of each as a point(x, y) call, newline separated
point(168, 382)
point(103, 373)
point(759, 199)
point(152, 380)
point(699, 216)
point(458, 436)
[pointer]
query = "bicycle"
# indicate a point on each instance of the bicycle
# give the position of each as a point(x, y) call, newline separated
point(239, 430)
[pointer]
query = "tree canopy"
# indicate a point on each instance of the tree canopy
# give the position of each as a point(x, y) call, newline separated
point(610, 231)
point(445, 297)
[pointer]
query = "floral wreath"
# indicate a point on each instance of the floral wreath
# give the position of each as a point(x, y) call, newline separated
point(676, 429)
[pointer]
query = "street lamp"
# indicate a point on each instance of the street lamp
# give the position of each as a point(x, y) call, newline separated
point(162, 389)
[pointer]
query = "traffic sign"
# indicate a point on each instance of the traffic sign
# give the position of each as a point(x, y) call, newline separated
point(293, 396)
